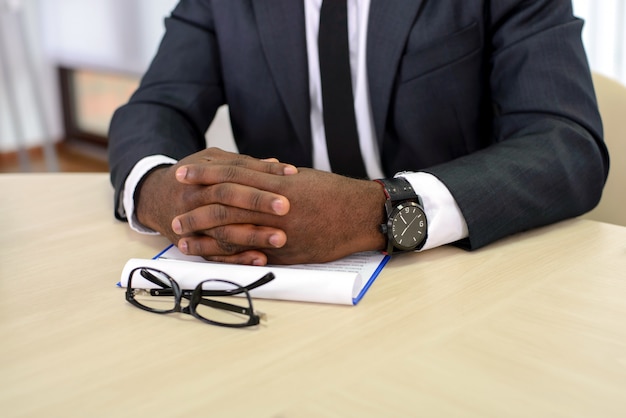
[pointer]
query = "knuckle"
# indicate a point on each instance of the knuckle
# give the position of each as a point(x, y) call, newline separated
point(206, 246)
point(192, 197)
point(227, 247)
point(229, 173)
point(213, 151)
point(240, 162)
point(234, 238)
point(197, 246)
point(256, 201)
point(274, 167)
point(252, 239)
point(220, 234)
point(219, 214)
point(214, 193)
point(189, 222)
point(188, 196)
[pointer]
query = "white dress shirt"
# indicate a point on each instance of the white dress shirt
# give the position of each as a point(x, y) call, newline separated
point(445, 221)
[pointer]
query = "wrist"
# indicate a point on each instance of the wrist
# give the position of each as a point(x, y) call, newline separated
point(376, 240)
point(147, 207)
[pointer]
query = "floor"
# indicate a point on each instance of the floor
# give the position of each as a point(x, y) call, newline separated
point(70, 159)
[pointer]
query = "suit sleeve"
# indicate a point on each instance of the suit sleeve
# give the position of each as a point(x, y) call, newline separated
point(177, 98)
point(547, 161)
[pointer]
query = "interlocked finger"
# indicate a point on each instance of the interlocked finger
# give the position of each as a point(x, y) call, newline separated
point(212, 250)
point(210, 174)
point(245, 197)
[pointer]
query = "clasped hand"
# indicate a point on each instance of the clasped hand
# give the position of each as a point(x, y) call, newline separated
point(233, 208)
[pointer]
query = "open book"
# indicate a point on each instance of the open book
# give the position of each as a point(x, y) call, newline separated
point(343, 281)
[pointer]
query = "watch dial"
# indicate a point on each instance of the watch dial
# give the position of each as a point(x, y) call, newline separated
point(408, 226)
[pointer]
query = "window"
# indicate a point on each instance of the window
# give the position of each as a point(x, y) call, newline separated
point(90, 98)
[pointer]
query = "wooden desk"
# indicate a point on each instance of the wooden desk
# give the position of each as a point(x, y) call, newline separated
point(534, 325)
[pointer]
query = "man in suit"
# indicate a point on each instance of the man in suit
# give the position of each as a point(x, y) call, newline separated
point(483, 109)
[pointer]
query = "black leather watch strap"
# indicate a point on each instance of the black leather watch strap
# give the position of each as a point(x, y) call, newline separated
point(398, 189)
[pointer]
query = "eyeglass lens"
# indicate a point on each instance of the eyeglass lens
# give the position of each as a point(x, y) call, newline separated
point(147, 290)
point(154, 290)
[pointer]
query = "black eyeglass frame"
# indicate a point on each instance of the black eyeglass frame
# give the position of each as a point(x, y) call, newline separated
point(196, 297)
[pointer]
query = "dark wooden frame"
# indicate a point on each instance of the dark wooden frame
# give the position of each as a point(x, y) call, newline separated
point(73, 131)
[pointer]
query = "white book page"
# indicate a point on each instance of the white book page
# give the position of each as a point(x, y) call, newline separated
point(338, 282)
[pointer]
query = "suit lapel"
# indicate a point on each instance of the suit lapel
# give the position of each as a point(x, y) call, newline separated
point(388, 29)
point(282, 33)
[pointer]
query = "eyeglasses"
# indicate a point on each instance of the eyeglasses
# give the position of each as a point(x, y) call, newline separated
point(212, 301)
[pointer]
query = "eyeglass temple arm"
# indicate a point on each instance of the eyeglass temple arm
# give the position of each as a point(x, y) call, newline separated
point(168, 291)
point(154, 279)
point(207, 302)
point(258, 283)
point(226, 306)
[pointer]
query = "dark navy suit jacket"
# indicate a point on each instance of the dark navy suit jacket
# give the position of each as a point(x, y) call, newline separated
point(493, 97)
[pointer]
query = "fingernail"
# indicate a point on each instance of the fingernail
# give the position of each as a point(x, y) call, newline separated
point(258, 262)
point(183, 247)
point(276, 240)
point(290, 169)
point(177, 227)
point(181, 173)
point(278, 205)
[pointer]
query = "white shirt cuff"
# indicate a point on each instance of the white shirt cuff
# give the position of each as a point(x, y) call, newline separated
point(130, 185)
point(446, 223)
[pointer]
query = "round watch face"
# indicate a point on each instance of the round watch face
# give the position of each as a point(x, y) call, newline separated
point(408, 225)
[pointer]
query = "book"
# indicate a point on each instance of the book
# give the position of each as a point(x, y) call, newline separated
point(344, 281)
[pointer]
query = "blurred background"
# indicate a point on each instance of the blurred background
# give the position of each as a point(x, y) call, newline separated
point(66, 65)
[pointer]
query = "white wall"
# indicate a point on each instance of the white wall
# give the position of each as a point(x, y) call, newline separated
point(116, 34)
point(604, 35)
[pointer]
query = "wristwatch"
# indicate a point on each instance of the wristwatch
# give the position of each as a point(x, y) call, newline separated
point(406, 227)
